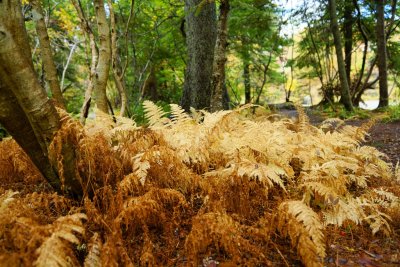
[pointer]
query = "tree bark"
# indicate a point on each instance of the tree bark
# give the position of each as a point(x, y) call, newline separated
point(246, 81)
point(25, 110)
point(200, 39)
point(382, 54)
point(49, 66)
point(103, 64)
point(364, 58)
point(218, 76)
point(116, 65)
point(348, 37)
point(344, 85)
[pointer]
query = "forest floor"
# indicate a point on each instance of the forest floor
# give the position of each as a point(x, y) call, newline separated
point(345, 245)
point(354, 249)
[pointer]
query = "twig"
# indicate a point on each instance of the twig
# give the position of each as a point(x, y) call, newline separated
point(280, 253)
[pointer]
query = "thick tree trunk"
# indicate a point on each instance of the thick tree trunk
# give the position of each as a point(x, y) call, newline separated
point(25, 110)
point(382, 54)
point(103, 64)
point(348, 37)
point(218, 76)
point(49, 66)
point(13, 118)
point(246, 81)
point(200, 38)
point(344, 85)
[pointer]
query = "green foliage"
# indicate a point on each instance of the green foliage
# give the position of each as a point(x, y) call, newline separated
point(3, 132)
point(338, 111)
point(392, 114)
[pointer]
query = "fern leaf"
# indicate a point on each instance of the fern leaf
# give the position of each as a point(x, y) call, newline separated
point(302, 224)
point(154, 114)
point(56, 250)
point(178, 114)
point(5, 199)
point(93, 259)
point(348, 209)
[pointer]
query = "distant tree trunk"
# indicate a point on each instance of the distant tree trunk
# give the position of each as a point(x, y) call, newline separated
point(344, 88)
point(46, 53)
point(93, 62)
point(348, 37)
point(116, 65)
point(200, 39)
point(103, 64)
point(25, 110)
point(150, 86)
point(218, 76)
point(246, 81)
point(381, 53)
point(356, 87)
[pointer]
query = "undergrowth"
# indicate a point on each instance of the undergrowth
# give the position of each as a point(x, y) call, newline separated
point(392, 114)
point(338, 111)
point(229, 186)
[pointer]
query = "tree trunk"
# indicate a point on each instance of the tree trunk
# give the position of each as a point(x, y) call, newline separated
point(381, 54)
point(364, 59)
point(25, 110)
point(103, 64)
point(348, 37)
point(246, 81)
point(46, 53)
point(344, 85)
point(200, 39)
point(218, 76)
point(93, 62)
point(116, 65)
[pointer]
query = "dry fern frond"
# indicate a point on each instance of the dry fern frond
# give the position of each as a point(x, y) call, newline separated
point(178, 114)
point(302, 224)
point(220, 231)
point(56, 250)
point(379, 221)
point(154, 114)
point(388, 198)
point(331, 124)
point(397, 172)
point(15, 165)
point(346, 209)
point(303, 123)
point(267, 174)
point(93, 259)
point(5, 199)
point(328, 194)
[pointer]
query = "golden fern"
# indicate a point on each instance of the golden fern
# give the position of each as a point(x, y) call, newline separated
point(5, 199)
point(154, 114)
point(56, 250)
point(93, 259)
point(303, 226)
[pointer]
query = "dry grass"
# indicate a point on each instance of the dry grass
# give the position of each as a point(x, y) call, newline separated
point(195, 190)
